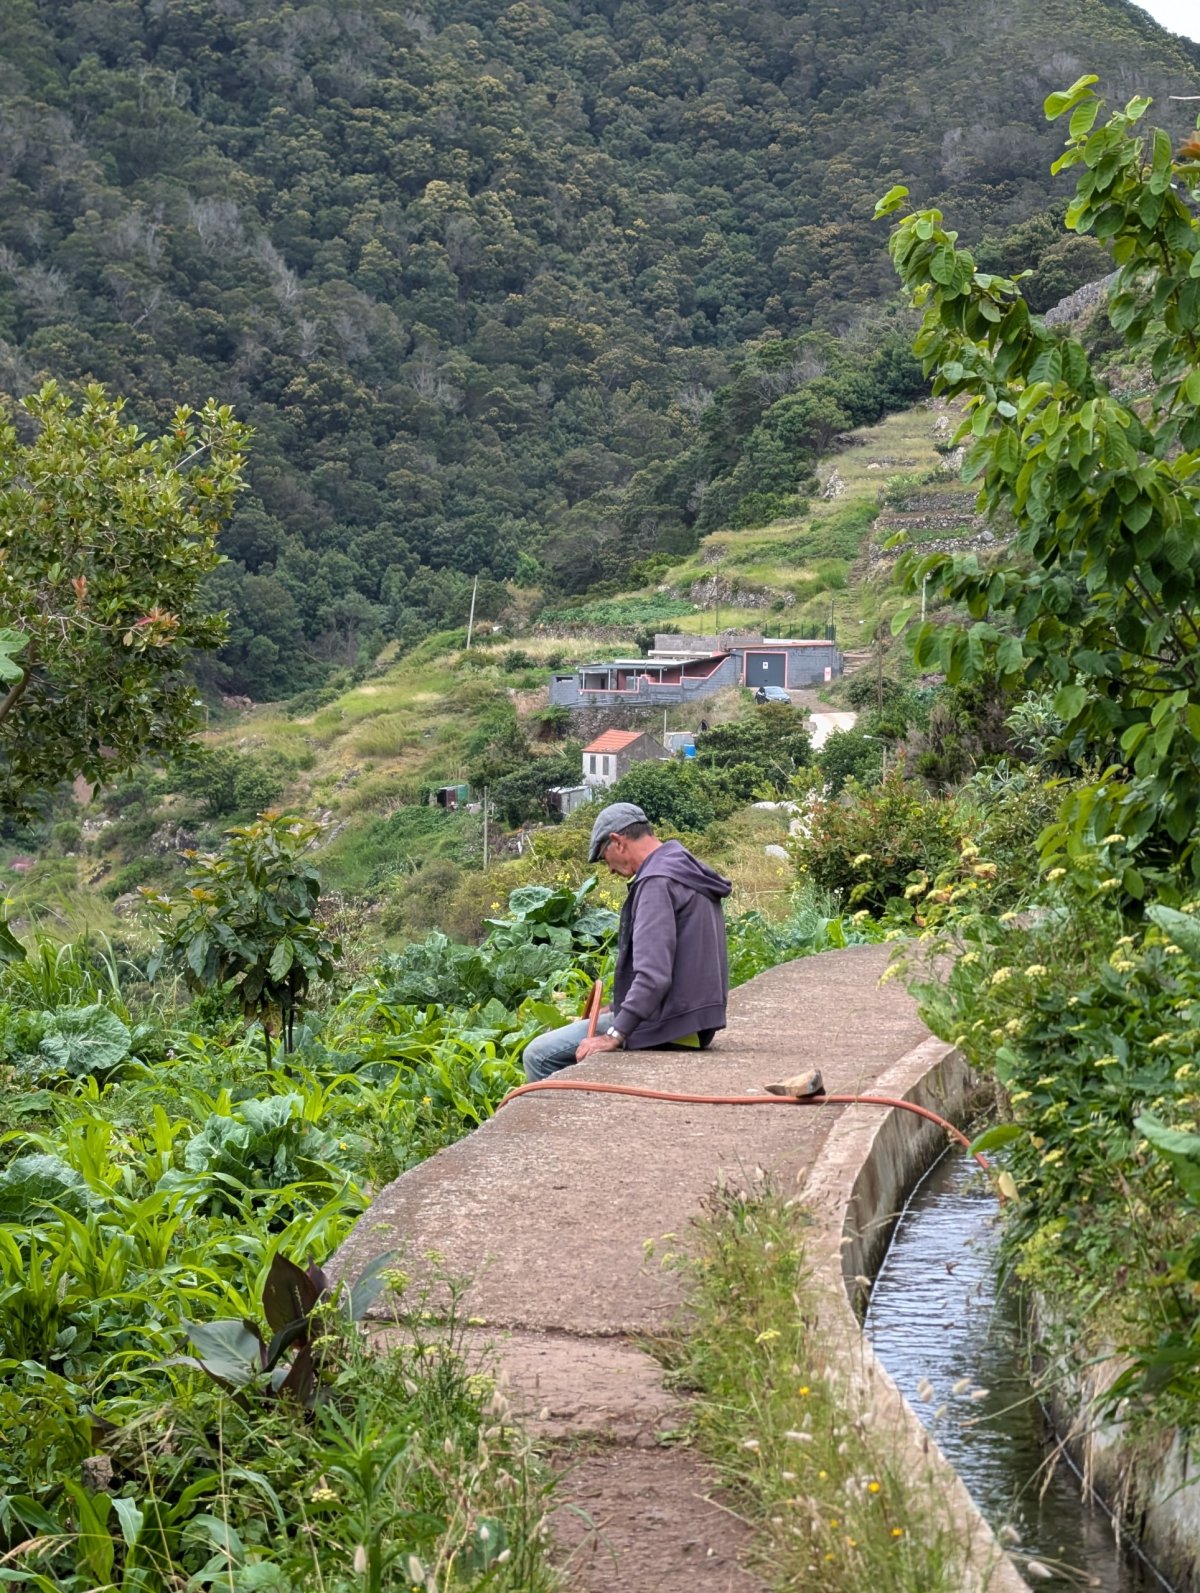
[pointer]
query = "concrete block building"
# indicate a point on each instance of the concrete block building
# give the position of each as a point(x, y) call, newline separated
point(683, 669)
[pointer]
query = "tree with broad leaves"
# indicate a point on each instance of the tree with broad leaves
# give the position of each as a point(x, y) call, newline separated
point(248, 918)
point(1097, 597)
point(106, 536)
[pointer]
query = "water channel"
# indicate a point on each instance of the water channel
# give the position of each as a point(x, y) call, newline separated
point(937, 1316)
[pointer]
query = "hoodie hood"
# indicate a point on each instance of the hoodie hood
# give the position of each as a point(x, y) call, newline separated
point(672, 860)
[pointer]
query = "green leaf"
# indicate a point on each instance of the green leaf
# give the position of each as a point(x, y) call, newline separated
point(11, 642)
point(1179, 927)
point(1069, 701)
point(231, 1352)
point(891, 201)
point(996, 1137)
point(1181, 1150)
point(11, 949)
point(281, 959)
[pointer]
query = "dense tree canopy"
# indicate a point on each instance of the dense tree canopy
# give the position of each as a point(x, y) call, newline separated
point(475, 272)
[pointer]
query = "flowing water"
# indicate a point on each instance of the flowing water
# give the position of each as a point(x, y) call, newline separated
point(937, 1314)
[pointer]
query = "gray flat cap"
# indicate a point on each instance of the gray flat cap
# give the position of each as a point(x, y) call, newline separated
point(616, 816)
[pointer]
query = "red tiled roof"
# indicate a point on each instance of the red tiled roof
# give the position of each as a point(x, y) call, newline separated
point(614, 740)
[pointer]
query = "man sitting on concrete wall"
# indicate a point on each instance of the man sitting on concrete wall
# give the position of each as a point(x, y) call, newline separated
point(672, 976)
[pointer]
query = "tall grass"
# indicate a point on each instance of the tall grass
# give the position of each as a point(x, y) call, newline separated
point(834, 1509)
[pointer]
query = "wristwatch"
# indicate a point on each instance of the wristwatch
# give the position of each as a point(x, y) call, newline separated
point(615, 1034)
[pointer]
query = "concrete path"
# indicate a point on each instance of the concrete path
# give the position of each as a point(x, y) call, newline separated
point(826, 722)
point(546, 1210)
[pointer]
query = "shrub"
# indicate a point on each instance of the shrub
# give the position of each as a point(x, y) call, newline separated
point(865, 848)
point(226, 782)
point(850, 755)
point(668, 793)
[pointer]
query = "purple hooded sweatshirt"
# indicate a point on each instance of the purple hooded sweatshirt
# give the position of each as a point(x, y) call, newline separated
point(672, 973)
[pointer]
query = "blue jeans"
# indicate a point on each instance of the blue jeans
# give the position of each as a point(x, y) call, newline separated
point(552, 1052)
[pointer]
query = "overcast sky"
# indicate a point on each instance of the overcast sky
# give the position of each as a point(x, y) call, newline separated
point(1180, 16)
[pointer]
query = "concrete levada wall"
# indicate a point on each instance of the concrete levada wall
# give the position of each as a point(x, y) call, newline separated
point(855, 1192)
point(1148, 1478)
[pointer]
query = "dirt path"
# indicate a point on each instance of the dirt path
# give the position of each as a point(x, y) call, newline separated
point(546, 1210)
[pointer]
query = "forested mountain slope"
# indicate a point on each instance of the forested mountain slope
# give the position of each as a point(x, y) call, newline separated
point(474, 271)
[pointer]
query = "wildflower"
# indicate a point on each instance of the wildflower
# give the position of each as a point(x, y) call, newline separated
point(360, 1559)
point(803, 1391)
point(863, 857)
point(767, 1335)
point(1055, 1155)
point(1056, 874)
point(1036, 970)
point(1114, 839)
point(1121, 964)
point(1172, 951)
point(969, 957)
point(1184, 1072)
point(1109, 884)
point(1014, 1026)
point(427, 1100)
point(1019, 1095)
point(872, 1486)
point(1105, 1062)
point(1001, 976)
point(751, 1443)
point(968, 849)
point(897, 1532)
point(798, 1437)
point(323, 1493)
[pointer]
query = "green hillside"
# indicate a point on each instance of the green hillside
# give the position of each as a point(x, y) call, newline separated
point(478, 276)
point(365, 757)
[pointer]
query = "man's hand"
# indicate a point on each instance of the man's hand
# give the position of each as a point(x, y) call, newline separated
point(598, 1042)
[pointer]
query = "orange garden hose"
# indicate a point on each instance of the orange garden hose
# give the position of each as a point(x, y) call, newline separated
point(641, 1093)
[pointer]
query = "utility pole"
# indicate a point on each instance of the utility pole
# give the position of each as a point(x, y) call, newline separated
point(485, 830)
point(471, 620)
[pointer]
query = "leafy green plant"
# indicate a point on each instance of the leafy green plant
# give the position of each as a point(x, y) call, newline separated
point(109, 535)
point(304, 1313)
point(248, 917)
point(866, 849)
point(1097, 599)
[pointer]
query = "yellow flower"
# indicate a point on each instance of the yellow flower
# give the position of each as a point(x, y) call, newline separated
point(1000, 976)
point(767, 1335)
point(1109, 884)
point(1105, 1062)
point(969, 956)
point(803, 1392)
point(1036, 970)
point(863, 857)
point(1114, 839)
point(1053, 1155)
point(1056, 874)
point(897, 1532)
point(1014, 1026)
point(872, 1487)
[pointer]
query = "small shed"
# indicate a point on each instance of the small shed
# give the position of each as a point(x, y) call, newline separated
point(564, 799)
point(610, 756)
point(452, 797)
